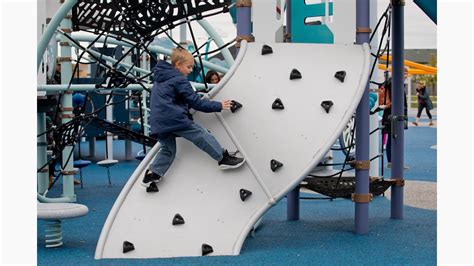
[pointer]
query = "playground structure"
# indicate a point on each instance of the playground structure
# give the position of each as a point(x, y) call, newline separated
point(229, 127)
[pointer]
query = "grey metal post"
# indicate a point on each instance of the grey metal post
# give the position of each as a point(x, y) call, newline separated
point(244, 21)
point(128, 143)
point(92, 147)
point(41, 159)
point(397, 107)
point(361, 195)
point(67, 114)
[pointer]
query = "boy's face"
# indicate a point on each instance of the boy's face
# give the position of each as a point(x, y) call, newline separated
point(185, 67)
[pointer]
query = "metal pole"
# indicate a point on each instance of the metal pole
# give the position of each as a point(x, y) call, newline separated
point(293, 197)
point(217, 40)
point(109, 116)
point(183, 33)
point(92, 87)
point(244, 21)
point(361, 195)
point(92, 147)
point(288, 21)
point(128, 143)
point(397, 108)
point(42, 176)
point(67, 114)
point(51, 28)
point(374, 120)
point(293, 204)
point(158, 49)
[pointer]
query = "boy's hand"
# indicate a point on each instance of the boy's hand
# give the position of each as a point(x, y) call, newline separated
point(226, 104)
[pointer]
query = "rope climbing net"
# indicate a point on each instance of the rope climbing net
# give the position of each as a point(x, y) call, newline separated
point(135, 23)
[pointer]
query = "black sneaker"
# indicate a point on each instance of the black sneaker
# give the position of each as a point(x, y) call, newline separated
point(149, 178)
point(230, 162)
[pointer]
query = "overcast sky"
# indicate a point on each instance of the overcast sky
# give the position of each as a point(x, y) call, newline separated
point(420, 31)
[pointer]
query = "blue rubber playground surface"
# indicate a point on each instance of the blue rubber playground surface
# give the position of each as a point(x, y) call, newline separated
point(324, 235)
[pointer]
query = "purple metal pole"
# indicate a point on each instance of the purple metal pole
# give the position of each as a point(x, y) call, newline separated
point(362, 128)
point(293, 204)
point(244, 23)
point(293, 197)
point(397, 107)
point(288, 21)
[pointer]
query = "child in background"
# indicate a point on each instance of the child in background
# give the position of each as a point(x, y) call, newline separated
point(171, 98)
point(212, 77)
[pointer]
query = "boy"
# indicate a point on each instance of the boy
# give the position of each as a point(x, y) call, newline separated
point(171, 98)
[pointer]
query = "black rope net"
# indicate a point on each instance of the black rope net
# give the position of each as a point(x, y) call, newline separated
point(343, 187)
point(136, 23)
point(140, 20)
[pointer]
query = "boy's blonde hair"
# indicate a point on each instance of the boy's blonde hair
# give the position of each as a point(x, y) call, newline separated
point(180, 55)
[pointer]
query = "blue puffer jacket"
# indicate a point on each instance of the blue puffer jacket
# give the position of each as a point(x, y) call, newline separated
point(171, 98)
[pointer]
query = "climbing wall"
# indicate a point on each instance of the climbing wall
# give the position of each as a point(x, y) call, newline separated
point(296, 99)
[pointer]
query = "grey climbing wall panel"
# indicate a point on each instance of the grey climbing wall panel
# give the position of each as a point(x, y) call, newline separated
point(209, 199)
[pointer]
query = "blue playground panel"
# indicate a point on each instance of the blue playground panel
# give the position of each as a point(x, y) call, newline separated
point(304, 33)
point(429, 7)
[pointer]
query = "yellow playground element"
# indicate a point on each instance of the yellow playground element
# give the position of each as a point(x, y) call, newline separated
point(415, 68)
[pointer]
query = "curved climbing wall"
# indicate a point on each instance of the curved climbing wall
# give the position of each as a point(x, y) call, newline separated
point(296, 99)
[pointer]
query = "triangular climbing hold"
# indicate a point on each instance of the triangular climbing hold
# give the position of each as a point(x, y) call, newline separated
point(277, 104)
point(295, 74)
point(244, 194)
point(127, 246)
point(152, 187)
point(340, 75)
point(178, 219)
point(235, 106)
point(206, 249)
point(327, 105)
point(274, 165)
point(266, 49)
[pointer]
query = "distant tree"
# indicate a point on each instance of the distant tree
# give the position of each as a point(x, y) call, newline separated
point(430, 80)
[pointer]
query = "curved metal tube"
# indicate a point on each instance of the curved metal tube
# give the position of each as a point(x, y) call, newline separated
point(218, 40)
point(51, 28)
point(152, 48)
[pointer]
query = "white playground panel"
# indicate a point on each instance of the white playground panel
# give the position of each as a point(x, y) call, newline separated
point(207, 198)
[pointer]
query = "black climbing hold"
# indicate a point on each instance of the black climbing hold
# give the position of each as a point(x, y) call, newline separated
point(127, 246)
point(235, 106)
point(327, 105)
point(266, 49)
point(178, 219)
point(152, 187)
point(206, 249)
point(277, 104)
point(340, 75)
point(295, 74)
point(274, 165)
point(244, 194)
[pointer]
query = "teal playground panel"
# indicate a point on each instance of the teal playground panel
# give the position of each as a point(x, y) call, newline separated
point(429, 7)
point(301, 31)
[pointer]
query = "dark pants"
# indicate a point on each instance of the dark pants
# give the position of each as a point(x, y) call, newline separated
point(420, 108)
point(198, 135)
point(388, 148)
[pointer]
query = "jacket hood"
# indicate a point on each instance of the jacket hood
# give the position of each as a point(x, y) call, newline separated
point(164, 71)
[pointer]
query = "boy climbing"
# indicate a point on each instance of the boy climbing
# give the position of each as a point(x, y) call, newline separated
point(171, 98)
